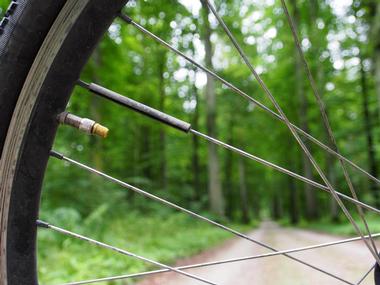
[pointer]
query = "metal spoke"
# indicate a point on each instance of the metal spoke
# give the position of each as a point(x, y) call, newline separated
point(323, 112)
point(225, 261)
point(121, 251)
point(238, 91)
point(185, 127)
point(365, 275)
point(292, 130)
point(281, 169)
point(177, 207)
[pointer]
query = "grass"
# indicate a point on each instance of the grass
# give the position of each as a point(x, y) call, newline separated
point(163, 237)
point(344, 227)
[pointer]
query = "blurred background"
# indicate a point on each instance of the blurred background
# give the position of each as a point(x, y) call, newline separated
point(341, 41)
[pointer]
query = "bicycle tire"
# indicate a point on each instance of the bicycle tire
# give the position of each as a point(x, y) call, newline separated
point(41, 78)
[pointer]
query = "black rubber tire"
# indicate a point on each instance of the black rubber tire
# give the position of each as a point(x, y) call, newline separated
point(40, 63)
point(25, 26)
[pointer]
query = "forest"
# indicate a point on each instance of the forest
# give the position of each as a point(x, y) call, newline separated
point(341, 43)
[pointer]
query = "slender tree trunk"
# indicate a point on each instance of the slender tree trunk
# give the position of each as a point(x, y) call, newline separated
point(256, 205)
point(162, 135)
point(311, 201)
point(214, 184)
point(229, 185)
point(369, 134)
point(195, 147)
point(377, 72)
point(294, 205)
point(376, 43)
point(95, 113)
point(243, 192)
point(145, 152)
point(276, 207)
point(293, 202)
point(334, 208)
point(318, 70)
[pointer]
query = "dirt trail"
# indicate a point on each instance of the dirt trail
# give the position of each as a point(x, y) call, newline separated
point(349, 261)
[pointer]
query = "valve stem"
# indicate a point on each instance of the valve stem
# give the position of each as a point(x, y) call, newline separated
point(87, 126)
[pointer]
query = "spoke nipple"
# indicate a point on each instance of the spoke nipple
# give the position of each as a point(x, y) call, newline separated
point(126, 18)
point(88, 126)
point(42, 224)
point(100, 130)
point(56, 154)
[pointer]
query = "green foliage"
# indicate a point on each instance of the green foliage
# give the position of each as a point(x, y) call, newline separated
point(163, 237)
point(345, 229)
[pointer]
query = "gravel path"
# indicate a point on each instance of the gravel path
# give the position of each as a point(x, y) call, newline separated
point(349, 261)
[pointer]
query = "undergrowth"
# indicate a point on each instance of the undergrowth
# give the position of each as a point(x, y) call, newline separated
point(163, 237)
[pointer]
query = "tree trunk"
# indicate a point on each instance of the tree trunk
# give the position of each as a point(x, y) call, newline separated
point(255, 205)
point(276, 207)
point(95, 113)
point(162, 135)
point(311, 201)
point(334, 208)
point(376, 44)
point(145, 154)
point(318, 70)
point(369, 134)
point(294, 205)
point(377, 72)
point(243, 192)
point(214, 184)
point(195, 149)
point(293, 202)
point(229, 185)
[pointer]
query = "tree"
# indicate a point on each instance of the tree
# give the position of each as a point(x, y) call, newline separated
point(376, 55)
point(195, 161)
point(161, 68)
point(95, 112)
point(375, 13)
point(311, 199)
point(243, 192)
point(367, 121)
point(214, 183)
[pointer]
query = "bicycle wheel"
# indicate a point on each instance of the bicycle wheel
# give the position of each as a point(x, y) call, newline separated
point(43, 48)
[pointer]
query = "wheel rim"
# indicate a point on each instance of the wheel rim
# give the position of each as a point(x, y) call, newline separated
point(22, 165)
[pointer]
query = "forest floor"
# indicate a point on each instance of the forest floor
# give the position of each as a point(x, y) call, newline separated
point(349, 261)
